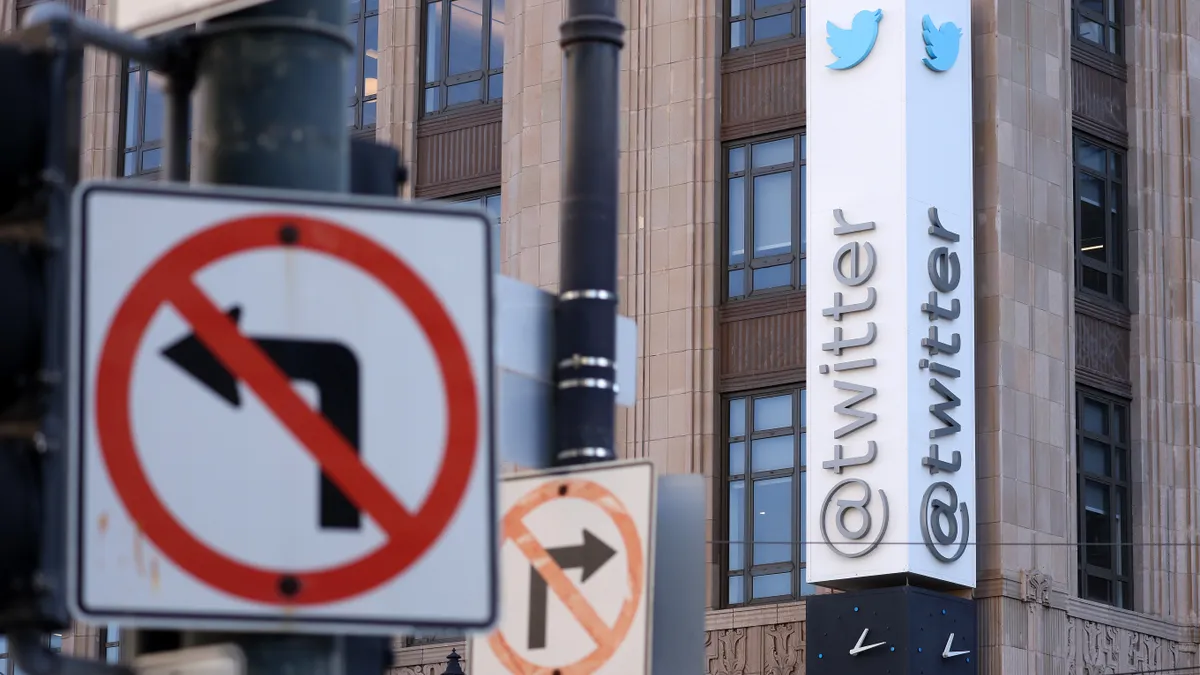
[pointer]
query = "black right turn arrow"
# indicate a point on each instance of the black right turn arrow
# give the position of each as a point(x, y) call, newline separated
point(590, 556)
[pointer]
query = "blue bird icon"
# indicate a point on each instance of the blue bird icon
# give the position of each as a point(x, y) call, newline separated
point(941, 44)
point(852, 45)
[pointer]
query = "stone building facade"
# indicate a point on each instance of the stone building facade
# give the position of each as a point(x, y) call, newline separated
point(1088, 285)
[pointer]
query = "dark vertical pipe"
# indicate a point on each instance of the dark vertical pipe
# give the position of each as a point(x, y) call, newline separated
point(586, 324)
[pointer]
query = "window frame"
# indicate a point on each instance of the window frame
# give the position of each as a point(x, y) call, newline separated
point(360, 99)
point(444, 80)
point(8, 664)
point(751, 13)
point(139, 148)
point(797, 257)
point(797, 471)
point(1116, 233)
point(482, 197)
point(1117, 24)
point(1115, 408)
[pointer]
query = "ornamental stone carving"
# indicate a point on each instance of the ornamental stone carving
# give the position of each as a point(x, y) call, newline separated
point(726, 652)
point(784, 649)
point(1097, 649)
point(1037, 587)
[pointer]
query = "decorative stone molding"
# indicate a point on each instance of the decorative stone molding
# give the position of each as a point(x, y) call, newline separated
point(725, 651)
point(784, 653)
point(1036, 586)
point(1098, 649)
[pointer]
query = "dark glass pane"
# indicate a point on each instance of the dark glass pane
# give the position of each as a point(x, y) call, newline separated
point(803, 524)
point(353, 8)
point(737, 7)
point(772, 585)
point(737, 159)
point(432, 103)
point(496, 41)
point(433, 42)
point(772, 153)
point(773, 412)
point(466, 36)
point(803, 29)
point(773, 27)
point(152, 159)
point(737, 524)
point(736, 593)
point(772, 215)
point(1094, 6)
point(1118, 288)
point(155, 109)
point(371, 58)
point(737, 220)
point(773, 277)
point(1121, 533)
point(462, 93)
point(353, 86)
point(372, 5)
point(368, 114)
point(772, 520)
point(805, 587)
point(1124, 595)
point(55, 642)
point(803, 407)
point(129, 164)
point(1096, 457)
point(1114, 166)
point(496, 87)
point(351, 115)
point(1118, 423)
point(1094, 417)
point(1091, 31)
point(1094, 280)
point(133, 99)
point(737, 283)
point(737, 34)
point(803, 201)
point(1093, 228)
point(737, 458)
point(803, 271)
point(1097, 524)
point(1098, 588)
point(770, 454)
point(803, 451)
point(1116, 237)
point(737, 417)
point(1091, 156)
point(492, 204)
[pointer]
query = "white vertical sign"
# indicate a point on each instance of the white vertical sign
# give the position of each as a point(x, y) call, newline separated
point(891, 292)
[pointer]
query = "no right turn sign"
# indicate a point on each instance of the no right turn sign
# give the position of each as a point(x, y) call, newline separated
point(576, 566)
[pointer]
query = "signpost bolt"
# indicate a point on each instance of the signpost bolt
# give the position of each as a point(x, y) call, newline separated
point(288, 234)
point(562, 490)
point(289, 585)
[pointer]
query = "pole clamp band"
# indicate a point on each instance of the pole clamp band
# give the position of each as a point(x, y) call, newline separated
point(588, 383)
point(590, 453)
point(587, 294)
point(592, 28)
point(578, 362)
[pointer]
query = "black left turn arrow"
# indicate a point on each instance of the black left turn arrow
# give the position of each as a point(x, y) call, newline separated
point(331, 367)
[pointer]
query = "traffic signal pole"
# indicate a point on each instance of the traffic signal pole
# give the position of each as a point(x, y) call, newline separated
point(586, 323)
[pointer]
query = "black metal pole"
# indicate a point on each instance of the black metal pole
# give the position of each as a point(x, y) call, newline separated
point(271, 99)
point(586, 324)
point(178, 99)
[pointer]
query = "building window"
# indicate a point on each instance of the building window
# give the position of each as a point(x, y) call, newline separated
point(432, 637)
point(364, 67)
point(1105, 527)
point(1099, 220)
point(8, 662)
point(464, 53)
point(753, 22)
point(765, 480)
point(765, 216)
point(490, 202)
point(110, 643)
point(1100, 23)
point(145, 118)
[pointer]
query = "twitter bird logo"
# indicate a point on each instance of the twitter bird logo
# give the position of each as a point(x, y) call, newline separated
point(852, 45)
point(941, 44)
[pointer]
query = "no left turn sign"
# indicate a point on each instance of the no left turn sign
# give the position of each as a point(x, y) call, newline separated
point(283, 414)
